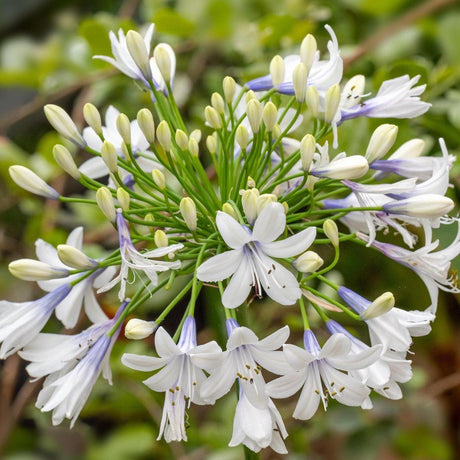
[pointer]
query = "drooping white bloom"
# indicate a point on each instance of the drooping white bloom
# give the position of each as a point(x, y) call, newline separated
point(179, 377)
point(314, 368)
point(250, 259)
point(132, 259)
point(393, 329)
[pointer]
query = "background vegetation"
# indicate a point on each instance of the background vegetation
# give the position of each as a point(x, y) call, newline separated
point(45, 57)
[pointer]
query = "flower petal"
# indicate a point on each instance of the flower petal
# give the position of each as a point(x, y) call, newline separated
point(233, 233)
point(291, 246)
point(270, 223)
point(239, 286)
point(221, 266)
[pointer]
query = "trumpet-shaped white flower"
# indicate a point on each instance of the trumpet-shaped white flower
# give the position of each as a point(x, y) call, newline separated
point(179, 377)
point(393, 329)
point(314, 368)
point(132, 259)
point(250, 260)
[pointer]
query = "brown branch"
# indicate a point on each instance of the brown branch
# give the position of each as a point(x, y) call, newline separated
point(442, 385)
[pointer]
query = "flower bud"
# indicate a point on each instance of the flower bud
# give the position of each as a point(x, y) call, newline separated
point(312, 100)
point(381, 305)
point(228, 209)
point(159, 179)
point(285, 206)
point(351, 167)
point(138, 51)
point(307, 150)
point(217, 101)
point(251, 183)
point(212, 117)
point(92, 117)
point(249, 203)
point(29, 181)
point(137, 329)
point(110, 156)
point(242, 137)
point(410, 149)
point(250, 95)
point(63, 124)
point(123, 198)
point(105, 202)
point(270, 115)
point(73, 257)
point(34, 270)
point(164, 135)
point(277, 70)
point(254, 112)
point(181, 139)
point(196, 134)
point(124, 128)
point(331, 231)
point(308, 262)
point(381, 141)
point(162, 55)
point(65, 160)
point(188, 210)
point(161, 239)
point(211, 144)
point(308, 49)
point(331, 102)
point(146, 124)
point(265, 199)
point(229, 87)
point(299, 80)
point(429, 205)
point(352, 91)
point(276, 131)
point(193, 147)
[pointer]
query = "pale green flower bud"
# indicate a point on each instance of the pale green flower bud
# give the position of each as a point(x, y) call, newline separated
point(211, 144)
point(73, 257)
point(124, 128)
point(277, 70)
point(331, 231)
point(161, 239)
point(63, 124)
point(308, 262)
point(308, 49)
point(381, 141)
point(193, 147)
point(105, 202)
point(138, 51)
point(187, 208)
point(65, 160)
point(29, 181)
point(212, 117)
point(331, 102)
point(276, 131)
point(138, 329)
point(123, 198)
point(181, 139)
point(381, 305)
point(249, 203)
point(242, 137)
point(110, 156)
point(254, 112)
point(265, 199)
point(146, 124)
point(251, 183)
point(217, 101)
point(159, 179)
point(311, 181)
point(163, 61)
point(285, 206)
point(270, 115)
point(250, 95)
point(164, 135)
point(307, 150)
point(229, 87)
point(228, 209)
point(299, 81)
point(34, 270)
point(312, 100)
point(92, 117)
point(196, 134)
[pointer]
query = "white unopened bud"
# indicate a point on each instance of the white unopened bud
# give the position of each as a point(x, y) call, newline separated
point(352, 91)
point(196, 134)
point(34, 270)
point(381, 305)
point(187, 208)
point(123, 198)
point(63, 124)
point(212, 118)
point(242, 137)
point(159, 179)
point(138, 329)
point(124, 128)
point(265, 199)
point(65, 160)
point(181, 139)
point(161, 239)
point(331, 231)
point(276, 131)
point(73, 257)
point(138, 51)
point(312, 100)
point(163, 54)
point(250, 95)
point(299, 81)
point(270, 115)
point(308, 262)
point(105, 202)
point(308, 49)
point(410, 149)
point(29, 181)
point(164, 135)
point(193, 147)
point(92, 117)
point(249, 203)
point(146, 124)
point(307, 150)
point(110, 156)
point(351, 167)
point(331, 103)
point(229, 87)
point(217, 101)
point(228, 209)
point(381, 141)
point(211, 144)
point(277, 70)
point(254, 112)
point(429, 205)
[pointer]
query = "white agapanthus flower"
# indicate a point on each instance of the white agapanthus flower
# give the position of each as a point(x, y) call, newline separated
point(319, 373)
point(132, 259)
point(179, 378)
point(250, 262)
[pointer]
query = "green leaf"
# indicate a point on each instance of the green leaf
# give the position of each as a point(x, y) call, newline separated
point(168, 21)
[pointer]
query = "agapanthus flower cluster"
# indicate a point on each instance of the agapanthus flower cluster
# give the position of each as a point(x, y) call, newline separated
point(244, 211)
